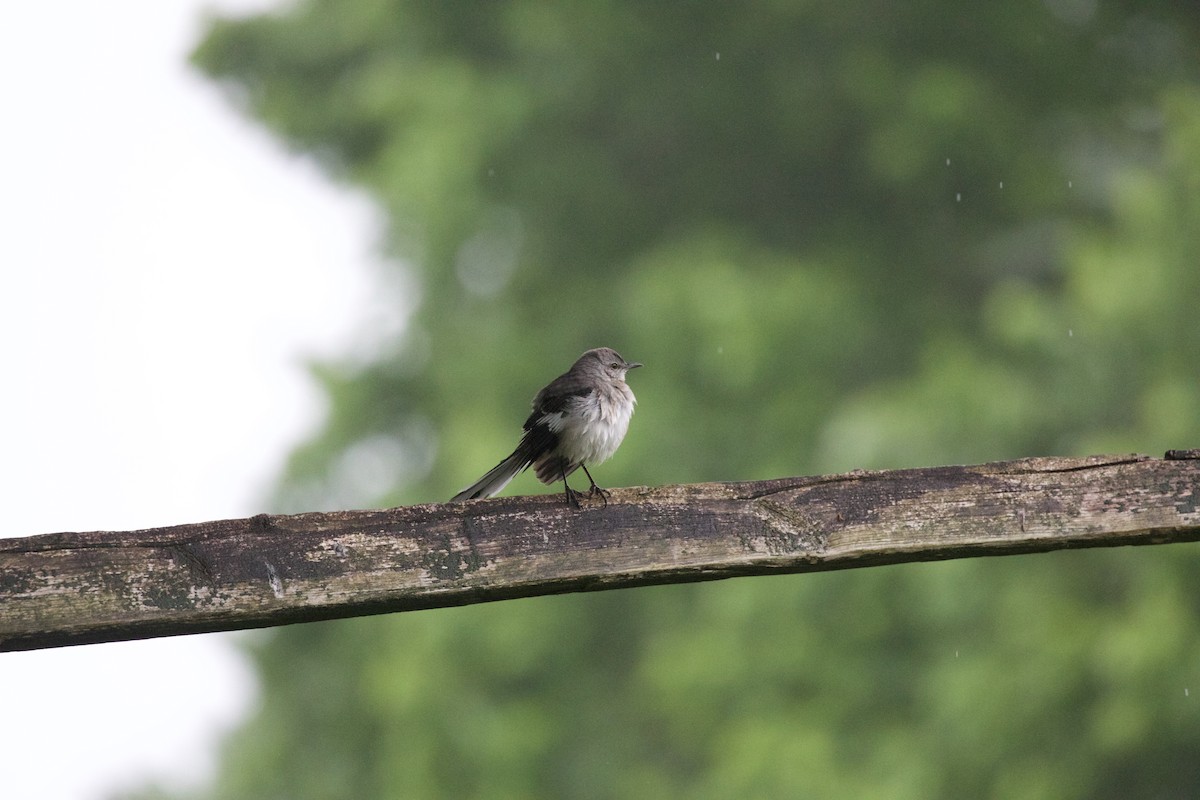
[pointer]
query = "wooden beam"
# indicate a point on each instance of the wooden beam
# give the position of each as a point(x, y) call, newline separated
point(75, 588)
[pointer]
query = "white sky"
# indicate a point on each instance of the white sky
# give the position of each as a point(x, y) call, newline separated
point(165, 269)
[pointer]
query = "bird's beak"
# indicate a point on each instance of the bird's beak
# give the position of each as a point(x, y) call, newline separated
point(632, 365)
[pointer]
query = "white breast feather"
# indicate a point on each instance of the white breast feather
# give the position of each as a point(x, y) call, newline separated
point(594, 429)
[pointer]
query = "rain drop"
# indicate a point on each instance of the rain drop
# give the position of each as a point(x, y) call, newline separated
point(958, 197)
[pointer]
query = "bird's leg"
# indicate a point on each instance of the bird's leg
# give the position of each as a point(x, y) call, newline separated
point(572, 495)
point(595, 490)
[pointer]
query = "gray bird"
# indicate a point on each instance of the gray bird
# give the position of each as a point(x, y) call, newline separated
point(580, 418)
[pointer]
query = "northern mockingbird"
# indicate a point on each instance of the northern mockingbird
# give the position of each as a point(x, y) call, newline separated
point(578, 419)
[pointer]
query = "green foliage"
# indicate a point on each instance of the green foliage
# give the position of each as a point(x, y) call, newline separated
point(839, 235)
point(1103, 360)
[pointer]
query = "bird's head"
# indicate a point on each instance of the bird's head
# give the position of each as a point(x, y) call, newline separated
point(607, 362)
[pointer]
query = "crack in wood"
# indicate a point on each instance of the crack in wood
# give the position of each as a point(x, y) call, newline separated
point(1093, 462)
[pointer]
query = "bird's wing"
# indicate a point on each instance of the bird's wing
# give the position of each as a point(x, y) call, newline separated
point(555, 399)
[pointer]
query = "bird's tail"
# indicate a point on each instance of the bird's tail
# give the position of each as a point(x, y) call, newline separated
point(496, 478)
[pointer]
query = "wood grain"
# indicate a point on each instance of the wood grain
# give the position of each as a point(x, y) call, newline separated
point(74, 588)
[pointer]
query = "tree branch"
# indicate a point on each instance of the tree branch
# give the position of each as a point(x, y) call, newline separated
point(75, 588)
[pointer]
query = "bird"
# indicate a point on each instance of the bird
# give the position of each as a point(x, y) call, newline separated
point(579, 418)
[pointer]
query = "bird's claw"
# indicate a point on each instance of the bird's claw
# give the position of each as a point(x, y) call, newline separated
point(574, 496)
point(604, 494)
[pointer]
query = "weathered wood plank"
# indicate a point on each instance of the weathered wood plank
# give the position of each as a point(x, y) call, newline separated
point(74, 588)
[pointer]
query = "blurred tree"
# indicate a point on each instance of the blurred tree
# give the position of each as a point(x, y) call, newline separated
point(840, 235)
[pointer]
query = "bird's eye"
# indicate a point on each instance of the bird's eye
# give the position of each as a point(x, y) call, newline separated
point(615, 365)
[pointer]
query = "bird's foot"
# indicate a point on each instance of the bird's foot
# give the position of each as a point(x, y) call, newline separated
point(603, 493)
point(573, 497)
